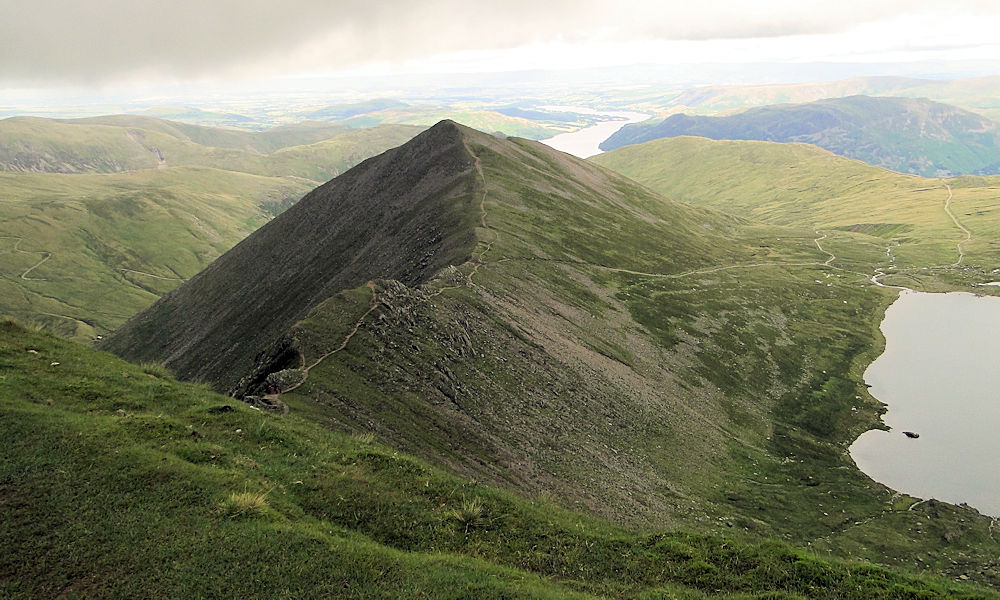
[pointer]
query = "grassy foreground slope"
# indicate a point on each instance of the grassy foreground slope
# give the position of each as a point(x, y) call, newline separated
point(903, 134)
point(801, 185)
point(651, 362)
point(118, 482)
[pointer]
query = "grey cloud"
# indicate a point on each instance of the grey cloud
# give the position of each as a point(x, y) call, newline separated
point(44, 41)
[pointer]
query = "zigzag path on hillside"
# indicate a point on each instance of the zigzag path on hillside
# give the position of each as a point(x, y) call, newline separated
point(968, 234)
point(959, 246)
point(373, 303)
point(830, 254)
point(17, 248)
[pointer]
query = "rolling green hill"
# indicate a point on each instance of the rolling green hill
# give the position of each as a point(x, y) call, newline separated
point(80, 254)
point(906, 135)
point(119, 482)
point(121, 143)
point(82, 251)
point(801, 185)
point(544, 325)
point(260, 142)
point(978, 94)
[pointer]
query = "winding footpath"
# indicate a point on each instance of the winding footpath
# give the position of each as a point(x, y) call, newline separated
point(968, 234)
point(373, 303)
point(705, 271)
point(151, 275)
point(17, 248)
point(830, 254)
point(476, 262)
point(879, 273)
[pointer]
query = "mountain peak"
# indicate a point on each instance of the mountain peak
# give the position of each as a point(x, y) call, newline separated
point(402, 215)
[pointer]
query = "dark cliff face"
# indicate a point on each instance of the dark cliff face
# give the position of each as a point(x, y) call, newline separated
point(402, 215)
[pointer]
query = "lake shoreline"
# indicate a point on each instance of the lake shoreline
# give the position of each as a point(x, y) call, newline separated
point(584, 143)
point(937, 376)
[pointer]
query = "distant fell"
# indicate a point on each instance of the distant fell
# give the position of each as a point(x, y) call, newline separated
point(903, 134)
point(120, 143)
point(338, 112)
point(806, 186)
point(978, 94)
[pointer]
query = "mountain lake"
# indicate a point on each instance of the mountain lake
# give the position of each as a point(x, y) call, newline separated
point(940, 377)
point(583, 143)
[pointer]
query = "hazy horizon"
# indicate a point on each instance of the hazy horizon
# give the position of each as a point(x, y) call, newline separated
point(111, 53)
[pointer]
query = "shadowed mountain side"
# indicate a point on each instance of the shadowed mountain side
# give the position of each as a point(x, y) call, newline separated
point(402, 215)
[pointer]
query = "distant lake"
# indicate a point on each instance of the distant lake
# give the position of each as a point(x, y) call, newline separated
point(940, 376)
point(583, 143)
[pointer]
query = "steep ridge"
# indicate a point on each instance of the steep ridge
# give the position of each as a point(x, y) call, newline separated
point(902, 134)
point(402, 215)
point(580, 337)
point(532, 233)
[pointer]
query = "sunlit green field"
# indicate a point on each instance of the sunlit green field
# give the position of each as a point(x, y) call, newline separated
point(797, 184)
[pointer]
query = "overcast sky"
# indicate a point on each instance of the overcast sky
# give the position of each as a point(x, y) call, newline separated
point(94, 43)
